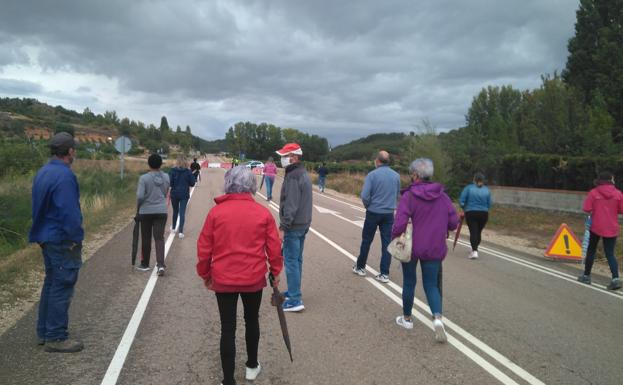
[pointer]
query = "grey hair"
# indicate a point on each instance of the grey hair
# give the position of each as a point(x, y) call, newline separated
point(422, 168)
point(240, 179)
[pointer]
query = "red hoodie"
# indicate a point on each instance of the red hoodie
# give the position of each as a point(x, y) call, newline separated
point(238, 237)
point(604, 203)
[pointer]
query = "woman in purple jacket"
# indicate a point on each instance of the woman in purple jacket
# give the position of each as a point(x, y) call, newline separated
point(432, 215)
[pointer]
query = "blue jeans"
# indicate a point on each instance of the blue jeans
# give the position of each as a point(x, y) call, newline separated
point(384, 222)
point(179, 206)
point(269, 186)
point(609, 244)
point(430, 276)
point(321, 182)
point(62, 262)
point(293, 242)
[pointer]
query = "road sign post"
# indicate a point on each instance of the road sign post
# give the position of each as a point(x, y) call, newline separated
point(123, 144)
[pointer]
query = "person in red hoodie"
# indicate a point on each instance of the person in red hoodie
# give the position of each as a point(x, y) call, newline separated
point(604, 203)
point(238, 238)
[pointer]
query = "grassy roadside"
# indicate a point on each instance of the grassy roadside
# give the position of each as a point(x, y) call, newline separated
point(537, 227)
point(103, 197)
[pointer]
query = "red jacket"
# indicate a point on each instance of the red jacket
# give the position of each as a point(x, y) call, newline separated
point(238, 237)
point(605, 203)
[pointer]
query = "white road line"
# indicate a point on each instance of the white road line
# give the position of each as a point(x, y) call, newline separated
point(358, 208)
point(504, 361)
point(116, 364)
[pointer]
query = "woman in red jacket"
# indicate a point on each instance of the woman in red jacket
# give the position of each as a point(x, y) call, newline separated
point(604, 203)
point(238, 237)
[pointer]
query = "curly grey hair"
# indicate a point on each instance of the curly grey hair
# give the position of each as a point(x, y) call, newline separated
point(240, 179)
point(422, 168)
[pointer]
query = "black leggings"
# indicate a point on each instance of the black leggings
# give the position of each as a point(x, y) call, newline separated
point(152, 223)
point(227, 306)
point(476, 221)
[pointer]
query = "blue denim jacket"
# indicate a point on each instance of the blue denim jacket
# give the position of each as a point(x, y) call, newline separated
point(56, 214)
point(381, 190)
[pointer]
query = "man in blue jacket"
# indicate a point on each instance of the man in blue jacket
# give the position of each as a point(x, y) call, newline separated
point(379, 195)
point(57, 228)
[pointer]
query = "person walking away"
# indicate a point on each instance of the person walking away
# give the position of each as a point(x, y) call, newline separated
point(381, 189)
point(57, 228)
point(181, 181)
point(151, 196)
point(295, 214)
point(475, 200)
point(195, 168)
point(432, 215)
point(270, 172)
point(604, 203)
point(234, 266)
point(322, 176)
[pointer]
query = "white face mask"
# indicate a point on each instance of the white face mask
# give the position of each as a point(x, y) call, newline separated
point(285, 161)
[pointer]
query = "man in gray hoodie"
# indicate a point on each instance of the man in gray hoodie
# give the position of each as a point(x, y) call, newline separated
point(151, 196)
point(295, 214)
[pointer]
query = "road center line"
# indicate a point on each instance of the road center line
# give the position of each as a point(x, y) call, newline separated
point(116, 364)
point(478, 359)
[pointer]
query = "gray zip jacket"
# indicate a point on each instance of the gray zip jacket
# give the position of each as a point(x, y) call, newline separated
point(151, 194)
point(295, 211)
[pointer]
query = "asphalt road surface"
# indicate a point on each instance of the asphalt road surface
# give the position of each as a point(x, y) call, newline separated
point(510, 318)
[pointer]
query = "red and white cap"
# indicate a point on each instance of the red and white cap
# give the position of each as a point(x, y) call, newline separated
point(290, 148)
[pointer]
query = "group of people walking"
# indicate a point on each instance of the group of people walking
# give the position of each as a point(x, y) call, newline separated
point(234, 255)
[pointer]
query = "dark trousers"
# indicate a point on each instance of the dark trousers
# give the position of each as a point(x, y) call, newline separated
point(476, 221)
point(227, 306)
point(152, 224)
point(384, 222)
point(62, 262)
point(609, 244)
point(179, 207)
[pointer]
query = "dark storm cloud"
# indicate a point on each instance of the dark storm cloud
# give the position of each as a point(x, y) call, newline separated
point(338, 69)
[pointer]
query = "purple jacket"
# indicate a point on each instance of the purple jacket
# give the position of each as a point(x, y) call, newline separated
point(432, 214)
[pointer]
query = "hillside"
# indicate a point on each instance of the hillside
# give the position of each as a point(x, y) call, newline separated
point(366, 148)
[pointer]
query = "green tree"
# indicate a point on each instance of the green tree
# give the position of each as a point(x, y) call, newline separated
point(164, 124)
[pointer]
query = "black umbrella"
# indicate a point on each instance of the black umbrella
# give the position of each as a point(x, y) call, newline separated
point(137, 222)
point(276, 300)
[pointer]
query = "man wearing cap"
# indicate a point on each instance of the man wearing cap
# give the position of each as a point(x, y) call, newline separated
point(295, 212)
point(380, 192)
point(57, 228)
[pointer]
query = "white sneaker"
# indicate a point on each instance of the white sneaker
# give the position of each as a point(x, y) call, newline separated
point(181, 235)
point(382, 278)
point(401, 321)
point(440, 331)
point(252, 373)
point(358, 271)
point(160, 271)
point(172, 229)
point(473, 255)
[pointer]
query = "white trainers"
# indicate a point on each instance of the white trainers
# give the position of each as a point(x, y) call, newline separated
point(181, 235)
point(402, 321)
point(358, 271)
point(440, 331)
point(172, 229)
point(473, 255)
point(382, 278)
point(160, 271)
point(251, 373)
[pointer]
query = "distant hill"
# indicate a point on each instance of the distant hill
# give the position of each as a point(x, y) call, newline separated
point(366, 148)
point(34, 120)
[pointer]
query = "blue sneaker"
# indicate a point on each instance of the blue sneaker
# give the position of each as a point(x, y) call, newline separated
point(293, 305)
point(286, 295)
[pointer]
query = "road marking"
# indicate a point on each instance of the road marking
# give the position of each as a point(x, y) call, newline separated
point(478, 359)
point(323, 210)
point(116, 364)
point(359, 208)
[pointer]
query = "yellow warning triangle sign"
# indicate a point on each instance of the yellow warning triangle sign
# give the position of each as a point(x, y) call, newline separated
point(565, 245)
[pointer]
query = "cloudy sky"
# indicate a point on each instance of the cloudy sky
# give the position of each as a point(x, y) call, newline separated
point(340, 69)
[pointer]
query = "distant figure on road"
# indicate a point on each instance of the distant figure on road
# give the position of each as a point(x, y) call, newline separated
point(181, 181)
point(295, 214)
point(322, 176)
point(475, 200)
point(432, 215)
point(195, 168)
point(379, 195)
point(57, 228)
point(604, 203)
point(270, 172)
point(151, 196)
point(238, 238)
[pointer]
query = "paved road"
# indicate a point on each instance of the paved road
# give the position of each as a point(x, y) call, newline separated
point(509, 318)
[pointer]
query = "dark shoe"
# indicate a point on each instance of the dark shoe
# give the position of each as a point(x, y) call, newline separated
point(64, 346)
point(142, 268)
point(585, 279)
point(160, 271)
point(615, 284)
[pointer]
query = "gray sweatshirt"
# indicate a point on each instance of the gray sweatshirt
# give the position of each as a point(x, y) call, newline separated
point(295, 211)
point(151, 194)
